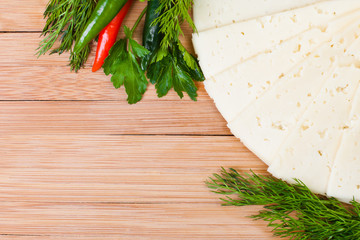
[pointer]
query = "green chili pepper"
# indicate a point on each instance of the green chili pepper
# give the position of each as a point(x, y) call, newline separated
point(151, 36)
point(104, 12)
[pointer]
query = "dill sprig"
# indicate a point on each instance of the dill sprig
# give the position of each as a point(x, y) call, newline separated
point(65, 20)
point(292, 210)
point(173, 15)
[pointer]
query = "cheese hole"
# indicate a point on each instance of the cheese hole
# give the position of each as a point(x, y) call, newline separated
point(278, 126)
point(319, 11)
point(258, 121)
point(323, 28)
point(294, 18)
point(297, 49)
point(322, 134)
point(342, 89)
point(304, 127)
point(320, 153)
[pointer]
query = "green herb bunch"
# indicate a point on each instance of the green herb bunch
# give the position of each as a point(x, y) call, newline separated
point(65, 20)
point(166, 63)
point(292, 210)
point(171, 65)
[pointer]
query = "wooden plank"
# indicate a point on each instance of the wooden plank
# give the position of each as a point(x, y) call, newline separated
point(98, 168)
point(124, 221)
point(26, 77)
point(58, 83)
point(22, 15)
point(110, 117)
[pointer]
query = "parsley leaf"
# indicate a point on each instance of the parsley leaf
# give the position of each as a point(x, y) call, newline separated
point(122, 64)
point(174, 68)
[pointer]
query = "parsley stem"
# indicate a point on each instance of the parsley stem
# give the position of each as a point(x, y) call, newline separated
point(138, 21)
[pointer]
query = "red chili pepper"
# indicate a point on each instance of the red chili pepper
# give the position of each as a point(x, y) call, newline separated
point(107, 37)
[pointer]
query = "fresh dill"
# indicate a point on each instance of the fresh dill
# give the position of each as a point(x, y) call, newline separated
point(292, 210)
point(65, 20)
point(173, 15)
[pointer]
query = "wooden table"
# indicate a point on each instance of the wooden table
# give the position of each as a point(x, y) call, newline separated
point(78, 162)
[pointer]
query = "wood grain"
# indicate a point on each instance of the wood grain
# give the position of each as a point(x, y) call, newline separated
point(78, 162)
point(140, 169)
point(110, 117)
point(134, 221)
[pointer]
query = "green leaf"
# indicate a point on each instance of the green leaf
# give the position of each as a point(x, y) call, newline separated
point(168, 73)
point(189, 63)
point(161, 74)
point(138, 50)
point(136, 82)
point(184, 83)
point(125, 70)
point(127, 32)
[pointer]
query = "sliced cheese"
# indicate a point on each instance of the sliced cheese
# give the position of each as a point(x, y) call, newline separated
point(244, 83)
point(265, 123)
point(308, 153)
point(344, 181)
point(216, 13)
point(221, 48)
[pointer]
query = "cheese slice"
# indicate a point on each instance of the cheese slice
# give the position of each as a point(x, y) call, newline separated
point(221, 48)
point(344, 181)
point(244, 83)
point(216, 13)
point(265, 123)
point(308, 153)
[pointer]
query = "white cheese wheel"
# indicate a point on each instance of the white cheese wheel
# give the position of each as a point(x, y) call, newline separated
point(288, 85)
point(217, 13)
point(221, 48)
